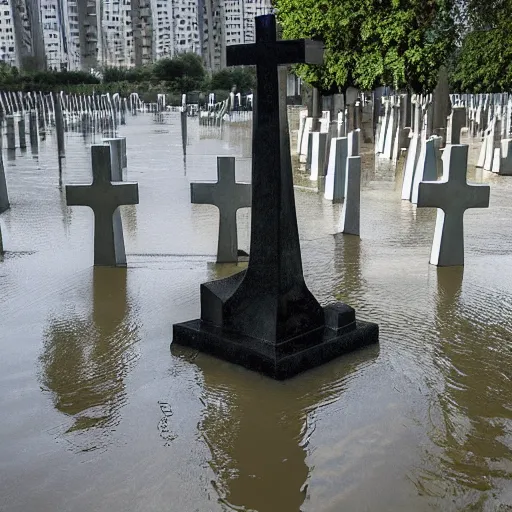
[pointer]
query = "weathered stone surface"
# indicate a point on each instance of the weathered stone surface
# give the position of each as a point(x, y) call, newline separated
point(265, 318)
point(317, 143)
point(428, 165)
point(452, 195)
point(506, 157)
point(228, 196)
point(456, 121)
point(337, 169)
point(350, 214)
point(116, 156)
point(104, 198)
point(4, 196)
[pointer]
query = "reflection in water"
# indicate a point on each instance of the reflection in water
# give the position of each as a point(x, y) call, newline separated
point(222, 270)
point(475, 431)
point(258, 429)
point(129, 216)
point(347, 269)
point(86, 359)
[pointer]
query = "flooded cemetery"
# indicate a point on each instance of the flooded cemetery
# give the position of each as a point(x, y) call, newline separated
point(97, 413)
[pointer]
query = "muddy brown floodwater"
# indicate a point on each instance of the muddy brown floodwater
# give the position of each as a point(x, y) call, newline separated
point(97, 414)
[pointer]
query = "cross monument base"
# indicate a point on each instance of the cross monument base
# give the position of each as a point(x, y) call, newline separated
point(280, 359)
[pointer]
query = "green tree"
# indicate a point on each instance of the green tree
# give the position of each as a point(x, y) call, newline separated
point(483, 63)
point(401, 43)
point(243, 78)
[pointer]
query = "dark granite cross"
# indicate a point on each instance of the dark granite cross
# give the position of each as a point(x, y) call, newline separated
point(104, 198)
point(265, 318)
point(272, 302)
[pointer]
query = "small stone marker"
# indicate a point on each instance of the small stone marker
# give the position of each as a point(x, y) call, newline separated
point(350, 214)
point(11, 132)
point(228, 196)
point(104, 198)
point(117, 158)
point(336, 172)
point(317, 147)
point(452, 195)
point(59, 127)
point(506, 158)
point(456, 121)
point(22, 132)
point(4, 197)
point(265, 318)
point(429, 161)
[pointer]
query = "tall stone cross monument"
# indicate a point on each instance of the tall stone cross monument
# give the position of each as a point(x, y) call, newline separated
point(265, 318)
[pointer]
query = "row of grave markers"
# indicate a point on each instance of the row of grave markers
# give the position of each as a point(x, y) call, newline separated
point(342, 177)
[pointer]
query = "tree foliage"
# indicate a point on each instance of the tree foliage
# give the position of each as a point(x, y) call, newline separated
point(483, 62)
point(401, 43)
point(243, 78)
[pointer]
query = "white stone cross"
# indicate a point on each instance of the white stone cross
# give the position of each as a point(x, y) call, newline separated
point(104, 198)
point(228, 196)
point(452, 195)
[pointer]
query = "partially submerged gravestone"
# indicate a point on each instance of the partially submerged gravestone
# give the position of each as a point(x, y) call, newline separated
point(104, 198)
point(316, 154)
point(336, 170)
point(4, 196)
point(341, 149)
point(117, 156)
point(456, 121)
point(506, 158)
point(265, 318)
point(429, 164)
point(452, 195)
point(228, 196)
point(350, 214)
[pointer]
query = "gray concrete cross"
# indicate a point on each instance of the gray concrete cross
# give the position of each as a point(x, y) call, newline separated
point(104, 198)
point(452, 195)
point(228, 196)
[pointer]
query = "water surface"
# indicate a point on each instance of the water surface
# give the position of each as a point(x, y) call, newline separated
point(98, 414)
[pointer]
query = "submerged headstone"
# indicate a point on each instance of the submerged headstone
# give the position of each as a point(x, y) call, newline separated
point(228, 196)
point(452, 196)
point(265, 318)
point(429, 164)
point(117, 145)
point(4, 196)
point(336, 171)
point(350, 214)
point(104, 198)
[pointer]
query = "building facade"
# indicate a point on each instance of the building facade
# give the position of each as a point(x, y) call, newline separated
point(142, 30)
point(7, 40)
point(228, 22)
point(91, 34)
point(28, 35)
point(117, 34)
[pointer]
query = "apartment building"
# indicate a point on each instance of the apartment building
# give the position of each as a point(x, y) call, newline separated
point(7, 40)
point(89, 15)
point(28, 34)
point(73, 35)
point(90, 34)
point(142, 30)
point(185, 26)
point(228, 22)
point(117, 35)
